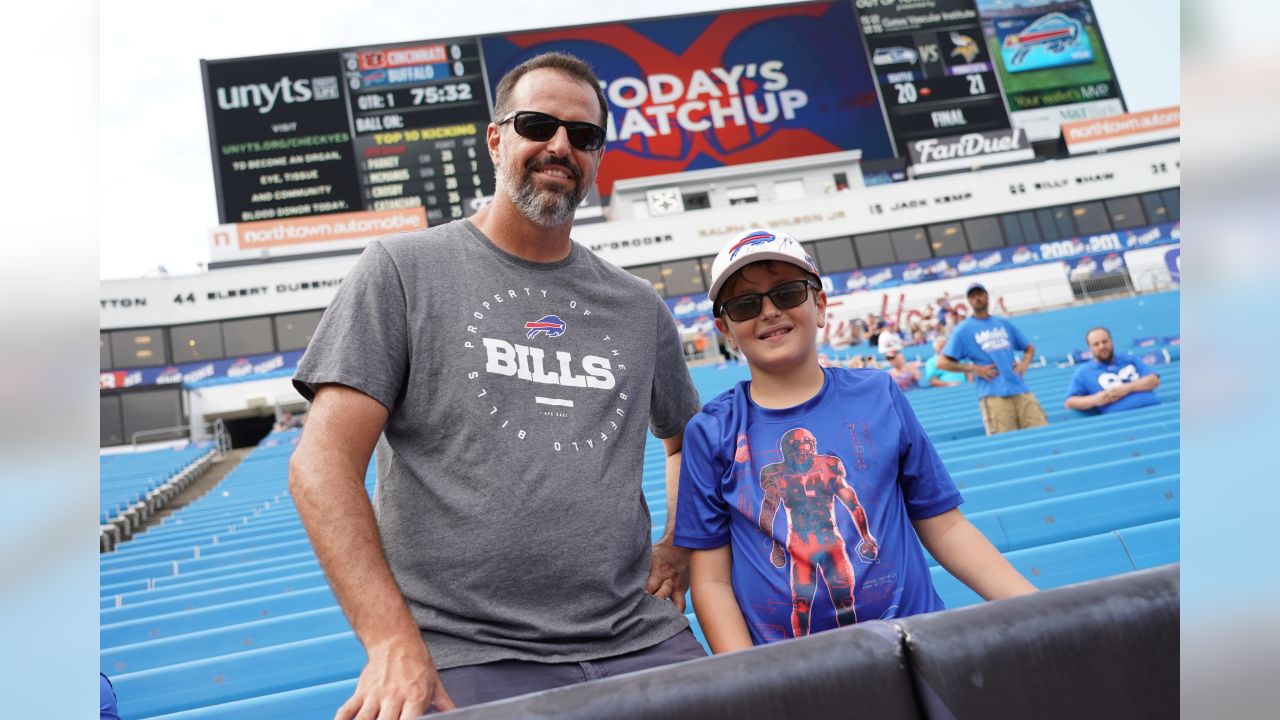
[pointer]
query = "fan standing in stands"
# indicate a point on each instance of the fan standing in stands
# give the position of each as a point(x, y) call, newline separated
point(508, 377)
point(1111, 382)
point(988, 344)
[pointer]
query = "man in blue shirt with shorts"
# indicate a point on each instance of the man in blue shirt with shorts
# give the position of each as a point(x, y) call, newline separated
point(988, 344)
point(1111, 382)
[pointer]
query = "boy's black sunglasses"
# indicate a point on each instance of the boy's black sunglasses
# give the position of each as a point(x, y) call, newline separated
point(541, 127)
point(785, 296)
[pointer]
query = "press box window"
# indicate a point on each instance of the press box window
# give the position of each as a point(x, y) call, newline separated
point(1091, 218)
point(202, 341)
point(1173, 201)
point(874, 249)
point(742, 195)
point(294, 331)
point(248, 337)
point(683, 277)
point(1153, 203)
point(138, 348)
point(696, 201)
point(1055, 223)
point(909, 244)
point(984, 233)
point(652, 273)
point(836, 255)
point(947, 239)
point(1125, 213)
point(104, 351)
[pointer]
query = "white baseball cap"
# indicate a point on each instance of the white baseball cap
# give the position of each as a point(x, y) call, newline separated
point(753, 246)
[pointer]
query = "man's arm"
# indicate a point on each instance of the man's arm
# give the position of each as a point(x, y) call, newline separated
point(1020, 367)
point(669, 567)
point(714, 602)
point(986, 372)
point(326, 479)
point(960, 548)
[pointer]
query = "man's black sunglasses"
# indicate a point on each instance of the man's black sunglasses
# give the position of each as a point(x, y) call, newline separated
point(785, 296)
point(541, 127)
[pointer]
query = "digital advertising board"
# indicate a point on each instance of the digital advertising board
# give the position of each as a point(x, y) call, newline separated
point(932, 67)
point(719, 89)
point(1053, 65)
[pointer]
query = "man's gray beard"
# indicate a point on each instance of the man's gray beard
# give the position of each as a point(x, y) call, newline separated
point(542, 207)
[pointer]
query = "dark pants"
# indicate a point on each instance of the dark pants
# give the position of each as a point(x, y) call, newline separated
point(475, 684)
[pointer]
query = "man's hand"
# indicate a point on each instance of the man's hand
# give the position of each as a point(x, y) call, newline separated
point(669, 573)
point(1020, 367)
point(399, 682)
point(986, 372)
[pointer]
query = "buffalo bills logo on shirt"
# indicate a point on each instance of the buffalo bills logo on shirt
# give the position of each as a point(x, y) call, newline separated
point(552, 325)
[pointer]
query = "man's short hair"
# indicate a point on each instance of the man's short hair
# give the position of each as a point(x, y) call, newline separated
point(1093, 330)
point(574, 67)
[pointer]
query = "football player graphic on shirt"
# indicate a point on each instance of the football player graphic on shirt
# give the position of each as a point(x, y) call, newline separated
point(807, 485)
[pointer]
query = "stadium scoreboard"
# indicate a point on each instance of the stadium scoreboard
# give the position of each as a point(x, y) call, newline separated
point(932, 67)
point(370, 128)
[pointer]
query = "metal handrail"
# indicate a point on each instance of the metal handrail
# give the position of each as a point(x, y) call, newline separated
point(217, 429)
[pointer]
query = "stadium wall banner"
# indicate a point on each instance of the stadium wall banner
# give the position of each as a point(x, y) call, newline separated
point(1104, 252)
point(968, 151)
point(1052, 63)
point(719, 89)
point(317, 233)
point(254, 367)
point(1084, 136)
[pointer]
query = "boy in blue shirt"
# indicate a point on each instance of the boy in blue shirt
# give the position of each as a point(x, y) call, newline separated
point(988, 343)
point(807, 476)
point(1111, 382)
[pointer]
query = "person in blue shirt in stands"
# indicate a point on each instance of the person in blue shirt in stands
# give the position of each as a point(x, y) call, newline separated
point(934, 377)
point(1111, 382)
point(988, 343)
point(804, 471)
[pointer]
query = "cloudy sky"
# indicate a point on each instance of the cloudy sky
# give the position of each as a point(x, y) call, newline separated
point(156, 193)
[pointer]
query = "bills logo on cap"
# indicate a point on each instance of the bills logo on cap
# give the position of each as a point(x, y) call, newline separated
point(552, 325)
point(760, 237)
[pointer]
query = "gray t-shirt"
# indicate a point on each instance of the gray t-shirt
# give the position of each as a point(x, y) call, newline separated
point(508, 494)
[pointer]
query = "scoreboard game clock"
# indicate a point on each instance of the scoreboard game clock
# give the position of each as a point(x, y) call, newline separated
point(932, 68)
point(419, 114)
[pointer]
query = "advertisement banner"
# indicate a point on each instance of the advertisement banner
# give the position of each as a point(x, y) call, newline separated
point(1087, 255)
point(319, 233)
point(964, 152)
point(256, 367)
point(932, 66)
point(1052, 63)
point(1117, 131)
point(721, 89)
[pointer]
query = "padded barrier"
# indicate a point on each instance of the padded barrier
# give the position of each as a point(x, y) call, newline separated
point(1103, 649)
point(853, 672)
point(1107, 648)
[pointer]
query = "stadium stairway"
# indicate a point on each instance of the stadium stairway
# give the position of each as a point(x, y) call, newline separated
point(221, 610)
point(134, 486)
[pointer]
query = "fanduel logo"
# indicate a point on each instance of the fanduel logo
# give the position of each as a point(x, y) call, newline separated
point(967, 146)
point(263, 96)
point(528, 363)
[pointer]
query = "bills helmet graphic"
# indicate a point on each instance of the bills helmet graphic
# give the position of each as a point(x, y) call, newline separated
point(552, 325)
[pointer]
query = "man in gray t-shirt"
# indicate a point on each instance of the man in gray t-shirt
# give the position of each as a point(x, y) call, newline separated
point(508, 377)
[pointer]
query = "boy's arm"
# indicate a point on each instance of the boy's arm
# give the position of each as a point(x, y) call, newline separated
point(714, 602)
point(966, 553)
